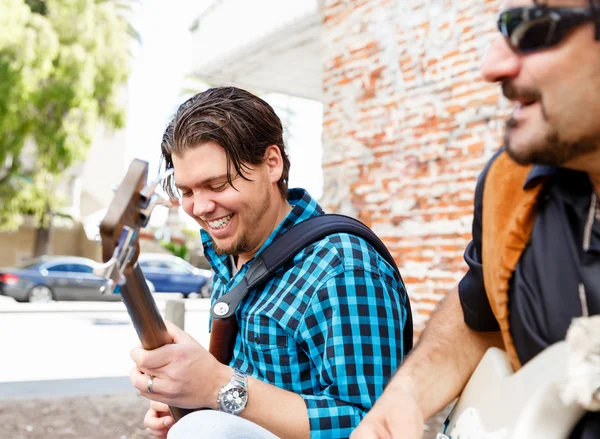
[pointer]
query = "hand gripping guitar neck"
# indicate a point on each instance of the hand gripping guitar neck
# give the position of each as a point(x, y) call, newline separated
point(128, 212)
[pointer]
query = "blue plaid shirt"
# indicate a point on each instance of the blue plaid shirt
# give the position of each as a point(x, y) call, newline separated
point(328, 326)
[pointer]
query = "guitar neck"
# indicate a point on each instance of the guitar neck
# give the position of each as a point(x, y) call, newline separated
point(142, 309)
point(146, 317)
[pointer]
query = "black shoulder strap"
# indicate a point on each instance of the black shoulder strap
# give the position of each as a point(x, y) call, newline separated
point(292, 242)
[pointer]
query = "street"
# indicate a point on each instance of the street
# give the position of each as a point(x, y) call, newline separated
point(74, 341)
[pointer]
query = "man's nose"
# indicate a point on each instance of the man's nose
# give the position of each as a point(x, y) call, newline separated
point(203, 204)
point(501, 62)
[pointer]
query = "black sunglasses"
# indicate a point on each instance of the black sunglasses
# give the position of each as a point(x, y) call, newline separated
point(539, 27)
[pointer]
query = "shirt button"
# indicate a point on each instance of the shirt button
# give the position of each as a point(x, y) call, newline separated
point(256, 339)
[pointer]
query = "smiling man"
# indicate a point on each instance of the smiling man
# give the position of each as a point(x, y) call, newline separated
point(317, 343)
point(528, 277)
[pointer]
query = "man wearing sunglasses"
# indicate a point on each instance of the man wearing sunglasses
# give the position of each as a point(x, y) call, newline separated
point(547, 61)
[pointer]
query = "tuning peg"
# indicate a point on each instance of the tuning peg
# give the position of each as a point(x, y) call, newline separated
point(155, 200)
point(151, 187)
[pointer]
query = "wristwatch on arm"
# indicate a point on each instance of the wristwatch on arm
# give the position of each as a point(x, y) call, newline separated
point(233, 396)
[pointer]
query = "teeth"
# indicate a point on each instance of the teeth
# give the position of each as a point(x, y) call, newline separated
point(219, 224)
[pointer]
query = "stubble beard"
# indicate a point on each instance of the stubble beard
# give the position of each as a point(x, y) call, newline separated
point(239, 246)
point(553, 151)
point(244, 243)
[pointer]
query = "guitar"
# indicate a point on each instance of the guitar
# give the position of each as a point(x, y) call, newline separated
point(129, 211)
point(543, 400)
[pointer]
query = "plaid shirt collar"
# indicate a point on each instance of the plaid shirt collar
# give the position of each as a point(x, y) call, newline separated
point(303, 207)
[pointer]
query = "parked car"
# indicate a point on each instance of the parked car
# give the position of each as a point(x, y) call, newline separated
point(54, 278)
point(171, 274)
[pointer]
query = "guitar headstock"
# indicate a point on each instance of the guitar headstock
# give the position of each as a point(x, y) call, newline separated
point(124, 210)
point(129, 211)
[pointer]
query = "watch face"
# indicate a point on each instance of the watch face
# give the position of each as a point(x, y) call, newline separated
point(233, 400)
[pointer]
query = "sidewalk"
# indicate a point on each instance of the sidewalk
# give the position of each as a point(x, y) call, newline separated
point(7, 302)
point(77, 340)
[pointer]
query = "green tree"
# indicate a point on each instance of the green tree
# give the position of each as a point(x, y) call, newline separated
point(180, 250)
point(62, 67)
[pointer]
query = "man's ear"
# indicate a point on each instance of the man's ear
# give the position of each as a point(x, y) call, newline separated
point(274, 163)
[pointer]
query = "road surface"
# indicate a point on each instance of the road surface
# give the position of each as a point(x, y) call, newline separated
point(86, 343)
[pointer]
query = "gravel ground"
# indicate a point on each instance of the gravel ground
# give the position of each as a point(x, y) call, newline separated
point(117, 416)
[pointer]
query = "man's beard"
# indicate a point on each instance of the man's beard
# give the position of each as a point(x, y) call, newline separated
point(240, 246)
point(245, 243)
point(554, 151)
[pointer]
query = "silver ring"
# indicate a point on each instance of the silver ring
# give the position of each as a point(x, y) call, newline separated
point(150, 383)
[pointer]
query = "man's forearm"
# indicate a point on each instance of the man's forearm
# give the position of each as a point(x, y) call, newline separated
point(444, 359)
point(281, 412)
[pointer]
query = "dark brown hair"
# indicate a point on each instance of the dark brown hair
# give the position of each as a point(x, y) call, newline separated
point(241, 123)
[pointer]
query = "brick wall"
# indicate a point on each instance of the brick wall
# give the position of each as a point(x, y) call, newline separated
point(408, 126)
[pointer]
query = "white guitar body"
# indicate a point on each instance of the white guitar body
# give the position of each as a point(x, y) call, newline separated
point(499, 404)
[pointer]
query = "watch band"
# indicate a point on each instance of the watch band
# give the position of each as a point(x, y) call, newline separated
point(240, 378)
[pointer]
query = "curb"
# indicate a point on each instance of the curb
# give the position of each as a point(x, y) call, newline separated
point(65, 388)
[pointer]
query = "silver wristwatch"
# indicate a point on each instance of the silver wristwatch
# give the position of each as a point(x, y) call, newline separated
point(233, 396)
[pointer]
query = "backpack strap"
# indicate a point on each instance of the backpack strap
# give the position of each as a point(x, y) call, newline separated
point(285, 247)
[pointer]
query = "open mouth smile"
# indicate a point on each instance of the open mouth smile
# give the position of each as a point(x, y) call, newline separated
point(220, 223)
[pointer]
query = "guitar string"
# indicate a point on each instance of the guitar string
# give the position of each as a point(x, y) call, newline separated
point(592, 214)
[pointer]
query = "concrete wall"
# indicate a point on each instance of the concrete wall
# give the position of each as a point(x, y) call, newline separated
point(408, 126)
point(68, 239)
